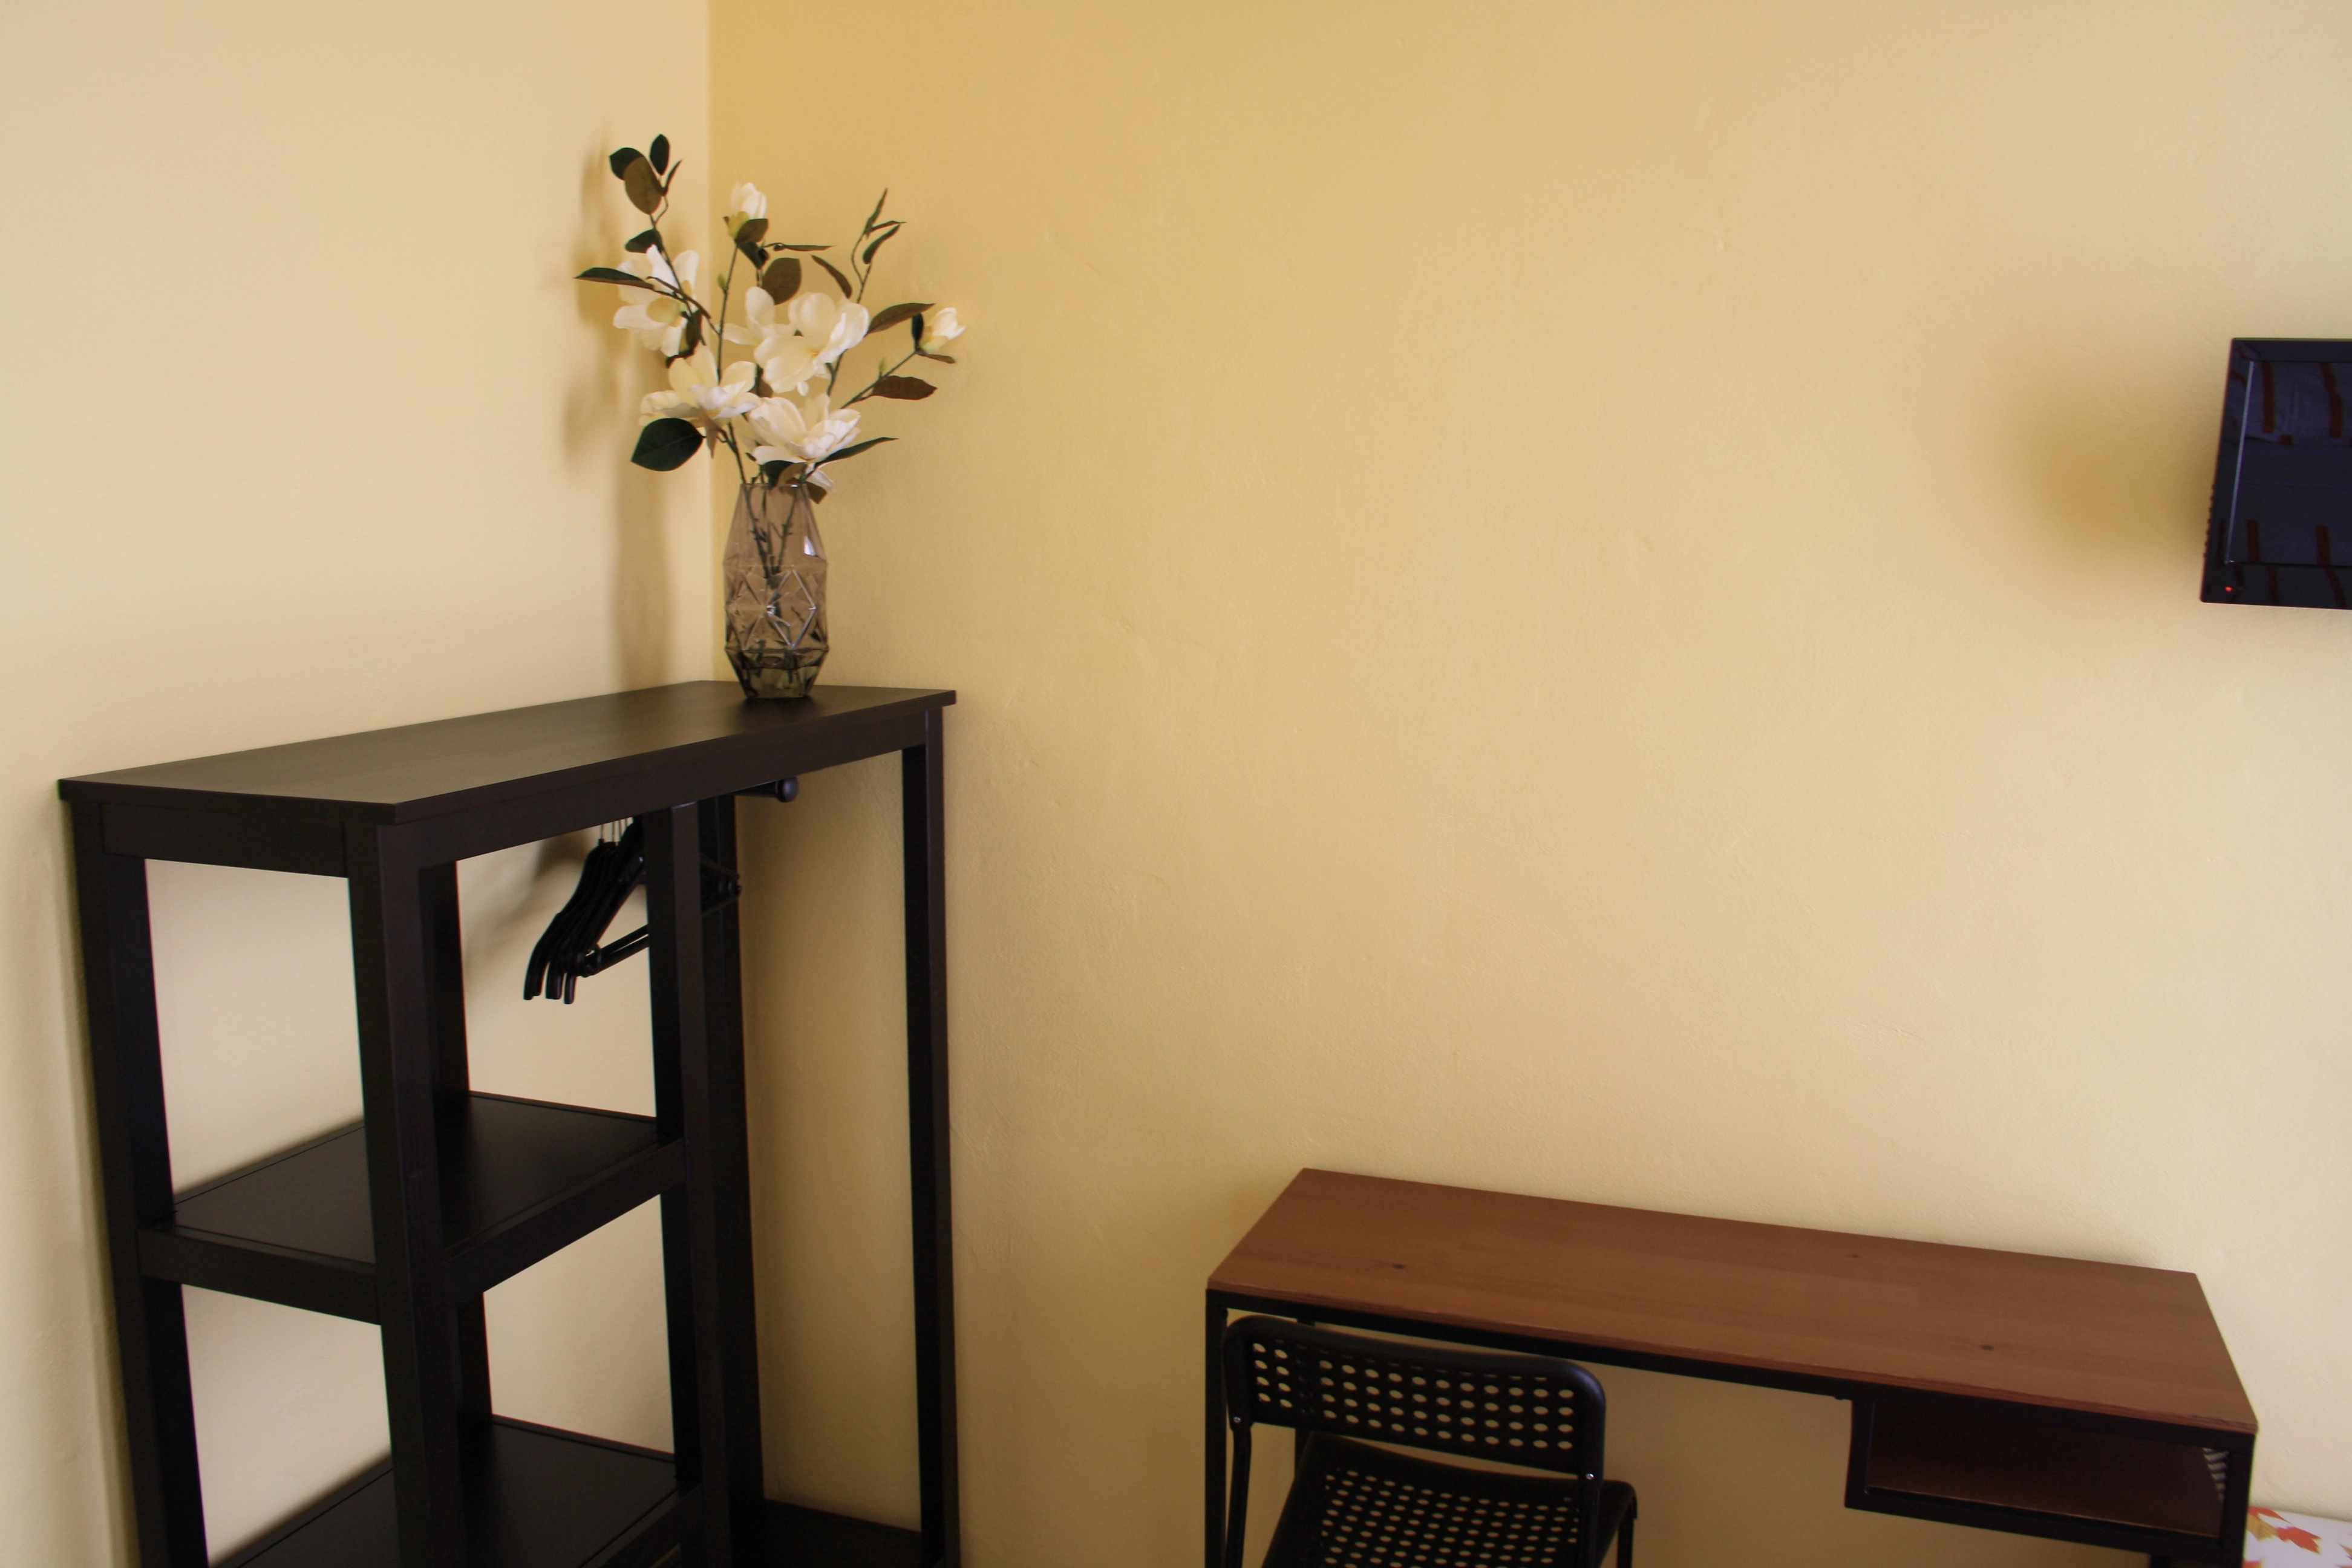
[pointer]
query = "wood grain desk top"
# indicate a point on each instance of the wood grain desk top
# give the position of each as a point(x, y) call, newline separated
point(1808, 1306)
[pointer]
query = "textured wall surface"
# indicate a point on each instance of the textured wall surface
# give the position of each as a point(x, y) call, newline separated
point(306, 430)
point(1589, 599)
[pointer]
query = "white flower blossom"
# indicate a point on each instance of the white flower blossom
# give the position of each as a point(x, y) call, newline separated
point(941, 328)
point(657, 319)
point(697, 393)
point(800, 430)
point(833, 325)
point(795, 348)
point(784, 357)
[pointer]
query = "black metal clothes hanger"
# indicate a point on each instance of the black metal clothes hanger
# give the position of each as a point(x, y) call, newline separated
point(569, 950)
point(574, 947)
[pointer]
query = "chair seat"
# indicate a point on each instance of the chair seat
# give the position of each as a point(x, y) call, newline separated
point(1355, 1506)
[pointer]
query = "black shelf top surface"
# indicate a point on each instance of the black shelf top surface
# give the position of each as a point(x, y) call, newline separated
point(543, 1498)
point(420, 771)
point(506, 1159)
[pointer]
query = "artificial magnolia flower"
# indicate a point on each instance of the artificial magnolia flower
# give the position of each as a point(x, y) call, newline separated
point(799, 431)
point(697, 393)
point(785, 357)
point(748, 204)
point(941, 328)
point(658, 321)
point(832, 325)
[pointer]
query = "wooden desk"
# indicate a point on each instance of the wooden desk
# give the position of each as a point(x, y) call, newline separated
point(2048, 1396)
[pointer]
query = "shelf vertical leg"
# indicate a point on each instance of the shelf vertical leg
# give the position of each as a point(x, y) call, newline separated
point(921, 779)
point(452, 1083)
point(706, 1229)
point(395, 944)
point(729, 1136)
point(135, 1152)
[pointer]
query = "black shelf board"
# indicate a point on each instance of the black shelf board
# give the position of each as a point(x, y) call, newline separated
point(811, 1538)
point(420, 771)
point(541, 1499)
point(2028, 1478)
point(521, 1179)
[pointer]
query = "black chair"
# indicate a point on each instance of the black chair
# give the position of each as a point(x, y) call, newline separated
point(1354, 1506)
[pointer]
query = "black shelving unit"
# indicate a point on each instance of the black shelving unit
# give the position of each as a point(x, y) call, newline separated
point(404, 1218)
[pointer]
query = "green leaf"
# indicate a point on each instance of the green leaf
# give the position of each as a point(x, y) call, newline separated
point(666, 444)
point(943, 359)
point(885, 320)
point(781, 246)
point(747, 239)
point(645, 186)
point(848, 288)
point(773, 472)
point(872, 216)
point(691, 339)
point(887, 231)
point(640, 244)
point(852, 451)
point(615, 275)
point(781, 277)
point(620, 158)
point(906, 388)
point(659, 152)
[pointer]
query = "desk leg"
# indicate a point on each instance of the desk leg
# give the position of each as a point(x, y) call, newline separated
point(921, 782)
point(1212, 1520)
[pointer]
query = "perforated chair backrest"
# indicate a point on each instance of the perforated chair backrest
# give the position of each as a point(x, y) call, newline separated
point(1537, 1411)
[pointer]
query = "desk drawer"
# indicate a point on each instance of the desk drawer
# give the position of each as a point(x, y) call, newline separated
point(2035, 1477)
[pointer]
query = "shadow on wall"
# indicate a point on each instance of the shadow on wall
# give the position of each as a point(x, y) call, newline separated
point(599, 426)
point(2114, 447)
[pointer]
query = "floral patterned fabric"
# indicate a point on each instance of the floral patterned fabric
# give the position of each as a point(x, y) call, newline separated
point(2275, 1539)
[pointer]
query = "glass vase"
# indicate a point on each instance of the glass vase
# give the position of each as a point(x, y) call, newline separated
point(774, 572)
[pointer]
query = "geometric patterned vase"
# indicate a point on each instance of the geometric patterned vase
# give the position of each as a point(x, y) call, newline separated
point(775, 573)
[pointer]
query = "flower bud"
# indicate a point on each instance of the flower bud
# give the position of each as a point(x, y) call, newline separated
point(941, 328)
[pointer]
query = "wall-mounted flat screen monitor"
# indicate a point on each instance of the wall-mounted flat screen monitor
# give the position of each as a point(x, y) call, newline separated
point(2281, 532)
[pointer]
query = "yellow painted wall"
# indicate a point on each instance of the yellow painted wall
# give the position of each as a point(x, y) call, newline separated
point(1586, 599)
point(304, 428)
point(1589, 599)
